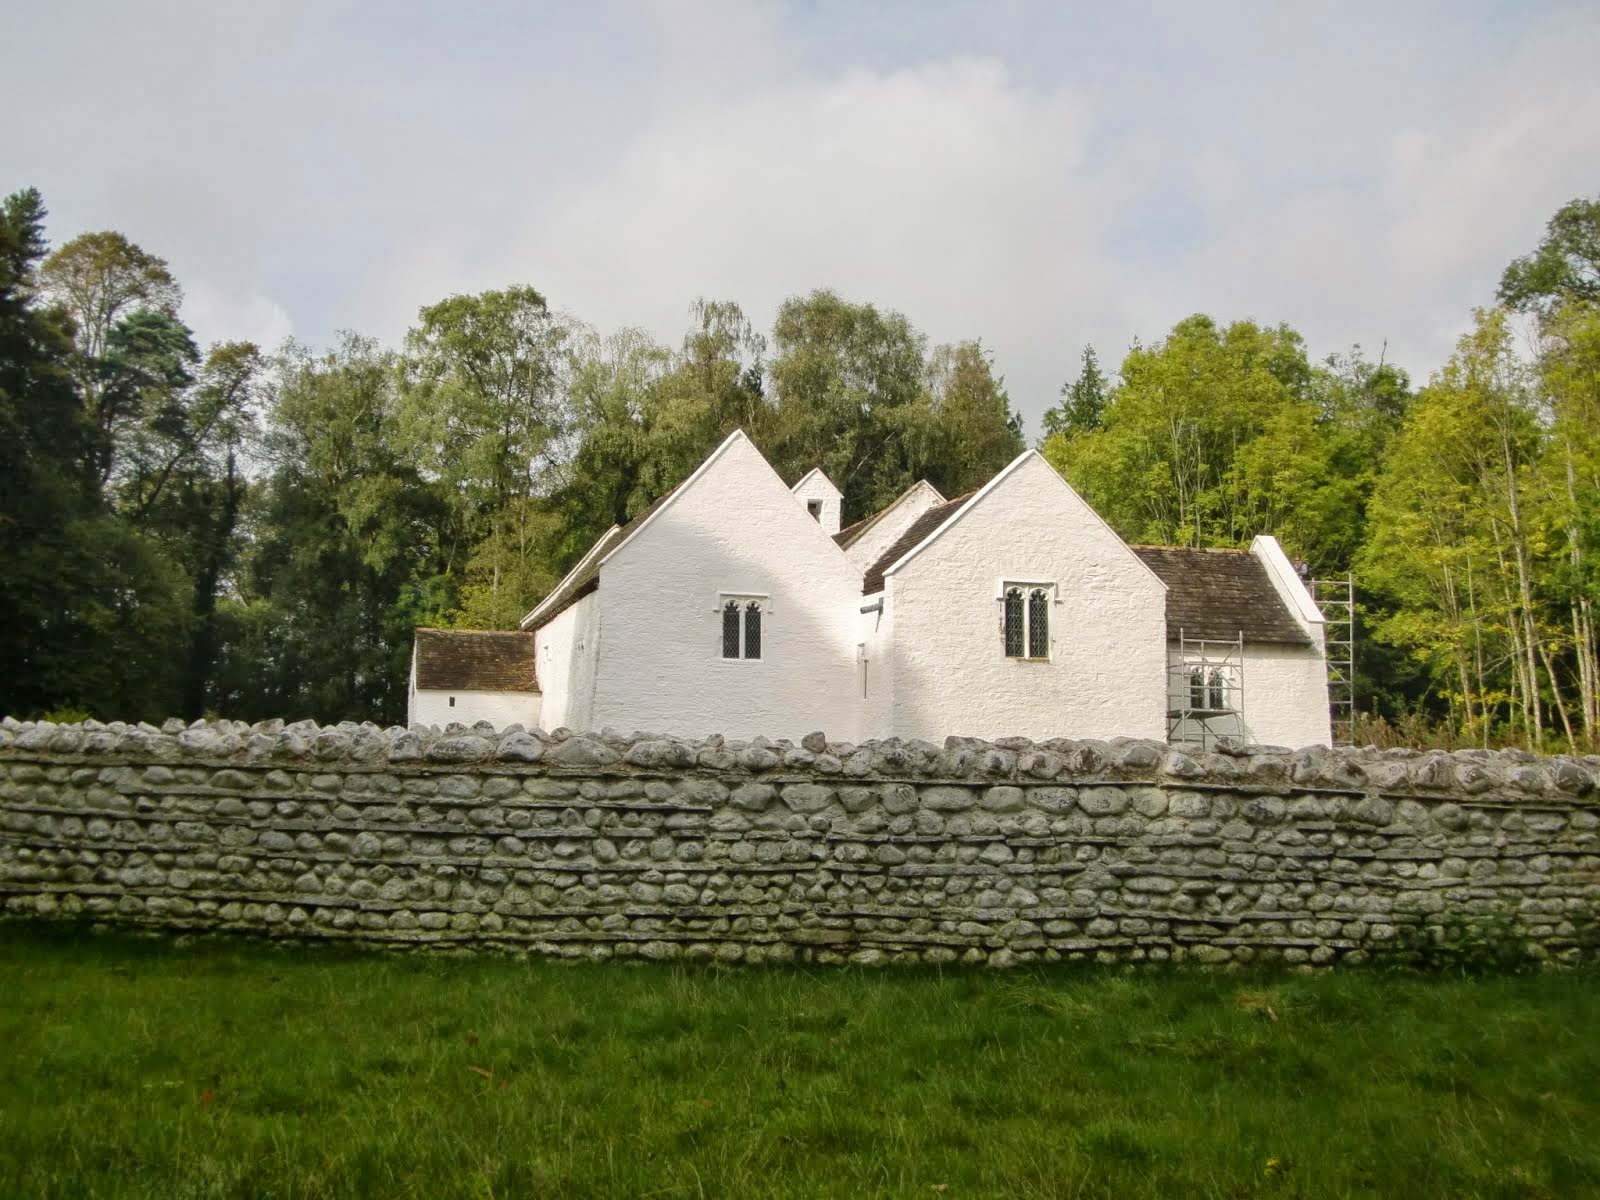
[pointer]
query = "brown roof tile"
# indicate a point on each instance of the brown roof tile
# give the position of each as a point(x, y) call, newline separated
point(924, 525)
point(851, 534)
point(1220, 594)
point(474, 660)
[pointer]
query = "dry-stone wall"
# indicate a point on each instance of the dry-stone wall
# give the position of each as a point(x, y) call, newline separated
point(603, 846)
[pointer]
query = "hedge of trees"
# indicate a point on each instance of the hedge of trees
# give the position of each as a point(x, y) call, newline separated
point(254, 531)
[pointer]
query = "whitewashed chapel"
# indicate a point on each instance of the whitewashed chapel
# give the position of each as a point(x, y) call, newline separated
point(737, 605)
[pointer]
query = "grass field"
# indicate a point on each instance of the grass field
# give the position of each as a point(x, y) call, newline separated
point(133, 1067)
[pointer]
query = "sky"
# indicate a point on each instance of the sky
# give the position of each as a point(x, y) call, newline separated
point(1038, 176)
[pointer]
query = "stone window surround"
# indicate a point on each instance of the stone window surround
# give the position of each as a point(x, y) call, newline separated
point(1027, 587)
point(743, 599)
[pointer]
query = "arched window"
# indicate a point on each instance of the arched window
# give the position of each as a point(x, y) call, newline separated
point(1014, 621)
point(1038, 624)
point(1197, 687)
point(1025, 619)
point(741, 624)
point(1218, 697)
point(752, 629)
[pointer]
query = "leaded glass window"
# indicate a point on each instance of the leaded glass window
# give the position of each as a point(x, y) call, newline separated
point(1014, 619)
point(1197, 687)
point(1217, 696)
point(752, 629)
point(1038, 624)
point(730, 629)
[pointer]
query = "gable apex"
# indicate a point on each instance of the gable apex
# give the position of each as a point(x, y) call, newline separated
point(1025, 458)
point(736, 438)
point(817, 474)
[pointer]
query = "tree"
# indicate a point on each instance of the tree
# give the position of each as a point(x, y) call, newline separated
point(43, 448)
point(100, 279)
point(345, 552)
point(1083, 401)
point(1457, 537)
point(485, 413)
point(977, 434)
point(851, 398)
point(94, 609)
point(1565, 266)
point(1213, 437)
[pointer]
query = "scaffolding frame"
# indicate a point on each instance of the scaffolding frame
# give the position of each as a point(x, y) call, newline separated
point(1205, 690)
point(1336, 600)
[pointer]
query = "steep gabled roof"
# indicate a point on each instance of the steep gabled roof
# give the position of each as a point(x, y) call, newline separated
point(1221, 594)
point(475, 660)
point(851, 534)
point(585, 577)
point(923, 527)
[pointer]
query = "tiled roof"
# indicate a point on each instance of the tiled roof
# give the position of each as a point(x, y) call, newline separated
point(851, 534)
point(1220, 594)
point(473, 660)
point(936, 516)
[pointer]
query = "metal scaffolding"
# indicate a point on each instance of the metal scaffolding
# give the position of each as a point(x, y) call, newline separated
point(1205, 690)
point(1336, 598)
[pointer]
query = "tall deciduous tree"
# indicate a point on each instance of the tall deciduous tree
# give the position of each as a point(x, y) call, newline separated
point(486, 413)
point(851, 398)
point(1213, 437)
point(101, 279)
point(1564, 268)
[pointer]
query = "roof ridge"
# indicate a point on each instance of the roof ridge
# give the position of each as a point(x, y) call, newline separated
point(473, 632)
point(923, 527)
point(1193, 549)
point(853, 532)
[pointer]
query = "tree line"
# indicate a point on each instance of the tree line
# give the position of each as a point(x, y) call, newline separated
point(254, 532)
point(1467, 510)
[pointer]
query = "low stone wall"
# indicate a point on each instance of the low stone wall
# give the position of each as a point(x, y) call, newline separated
point(632, 846)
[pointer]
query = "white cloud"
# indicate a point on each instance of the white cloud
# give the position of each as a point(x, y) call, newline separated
point(1038, 178)
point(220, 315)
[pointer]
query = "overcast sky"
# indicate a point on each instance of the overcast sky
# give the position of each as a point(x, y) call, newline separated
point(1036, 175)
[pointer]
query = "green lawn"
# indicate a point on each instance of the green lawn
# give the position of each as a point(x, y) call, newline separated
point(133, 1067)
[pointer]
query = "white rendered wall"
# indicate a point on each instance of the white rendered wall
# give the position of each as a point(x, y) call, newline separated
point(1286, 696)
point(568, 649)
point(875, 676)
point(896, 519)
point(500, 709)
point(733, 528)
point(1286, 687)
point(818, 488)
point(1107, 672)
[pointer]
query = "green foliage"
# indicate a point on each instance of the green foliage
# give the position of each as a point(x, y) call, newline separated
point(1214, 435)
point(1565, 268)
point(1083, 401)
point(188, 531)
point(145, 1068)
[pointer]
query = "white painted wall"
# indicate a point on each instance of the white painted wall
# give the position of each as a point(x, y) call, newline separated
point(1286, 696)
point(896, 519)
point(1107, 672)
point(875, 682)
point(817, 488)
point(567, 650)
point(1286, 687)
point(733, 527)
point(429, 707)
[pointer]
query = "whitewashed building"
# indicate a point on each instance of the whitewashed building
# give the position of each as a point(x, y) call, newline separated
point(470, 675)
point(737, 605)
